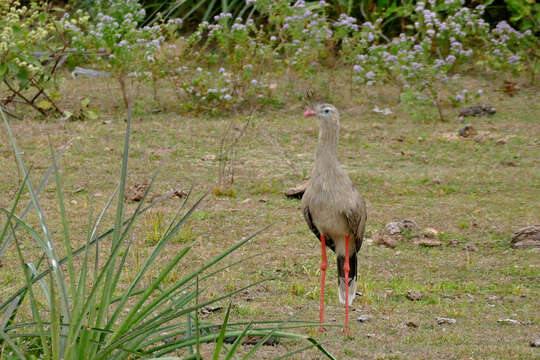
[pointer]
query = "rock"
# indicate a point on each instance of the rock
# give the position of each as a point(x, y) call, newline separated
point(501, 141)
point(429, 242)
point(382, 238)
point(467, 130)
point(430, 233)
point(208, 157)
point(442, 321)
point(136, 191)
point(535, 342)
point(363, 318)
point(210, 309)
point(384, 111)
point(411, 324)
point(414, 295)
point(526, 244)
point(477, 110)
point(526, 237)
point(298, 191)
point(394, 232)
point(450, 136)
point(471, 248)
point(509, 321)
point(453, 242)
point(397, 227)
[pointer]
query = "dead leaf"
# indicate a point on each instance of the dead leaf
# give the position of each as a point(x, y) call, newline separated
point(510, 87)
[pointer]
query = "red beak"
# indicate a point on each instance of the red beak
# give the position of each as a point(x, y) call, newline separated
point(309, 112)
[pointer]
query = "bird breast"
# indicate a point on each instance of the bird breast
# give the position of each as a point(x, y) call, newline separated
point(328, 204)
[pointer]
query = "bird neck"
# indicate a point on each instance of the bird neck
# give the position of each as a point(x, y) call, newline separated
point(326, 154)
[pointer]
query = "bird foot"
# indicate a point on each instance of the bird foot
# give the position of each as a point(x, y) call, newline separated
point(321, 330)
point(347, 333)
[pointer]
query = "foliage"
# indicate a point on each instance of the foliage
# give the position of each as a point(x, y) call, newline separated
point(230, 63)
point(92, 309)
point(116, 41)
point(525, 13)
point(32, 47)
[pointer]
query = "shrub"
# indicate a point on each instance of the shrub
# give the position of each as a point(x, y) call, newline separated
point(32, 48)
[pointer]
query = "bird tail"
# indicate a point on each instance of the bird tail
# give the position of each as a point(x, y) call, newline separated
point(352, 278)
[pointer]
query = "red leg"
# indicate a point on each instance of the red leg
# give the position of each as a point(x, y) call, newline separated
point(346, 269)
point(324, 266)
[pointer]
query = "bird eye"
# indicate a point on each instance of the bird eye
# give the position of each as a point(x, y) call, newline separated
point(327, 111)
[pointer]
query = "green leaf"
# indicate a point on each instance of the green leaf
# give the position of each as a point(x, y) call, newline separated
point(91, 115)
point(44, 105)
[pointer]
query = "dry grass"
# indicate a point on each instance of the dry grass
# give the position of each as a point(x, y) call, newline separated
point(476, 192)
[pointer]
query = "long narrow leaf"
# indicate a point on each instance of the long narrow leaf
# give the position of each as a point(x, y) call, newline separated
point(50, 250)
point(5, 243)
point(75, 253)
point(222, 333)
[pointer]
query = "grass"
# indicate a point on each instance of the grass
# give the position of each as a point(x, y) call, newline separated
point(463, 188)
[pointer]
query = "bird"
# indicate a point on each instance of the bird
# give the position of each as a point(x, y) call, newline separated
point(334, 209)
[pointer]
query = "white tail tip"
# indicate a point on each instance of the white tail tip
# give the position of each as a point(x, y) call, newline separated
point(352, 291)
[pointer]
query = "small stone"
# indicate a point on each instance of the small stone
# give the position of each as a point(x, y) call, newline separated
point(509, 163)
point(429, 243)
point(535, 342)
point(385, 239)
point(501, 141)
point(526, 244)
point(509, 321)
point(396, 227)
point(411, 324)
point(208, 157)
point(467, 130)
point(363, 318)
point(471, 248)
point(414, 295)
point(442, 320)
point(430, 233)
point(453, 242)
point(245, 201)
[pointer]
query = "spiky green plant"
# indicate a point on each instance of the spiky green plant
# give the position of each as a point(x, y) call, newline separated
point(76, 312)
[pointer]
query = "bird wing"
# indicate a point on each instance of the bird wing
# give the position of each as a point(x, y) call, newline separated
point(356, 217)
point(313, 228)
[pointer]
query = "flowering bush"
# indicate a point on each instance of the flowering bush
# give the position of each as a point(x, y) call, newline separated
point(116, 41)
point(31, 48)
point(513, 51)
point(232, 62)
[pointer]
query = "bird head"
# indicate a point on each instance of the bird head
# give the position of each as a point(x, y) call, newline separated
point(325, 113)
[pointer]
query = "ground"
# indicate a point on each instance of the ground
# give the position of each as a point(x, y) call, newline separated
point(475, 191)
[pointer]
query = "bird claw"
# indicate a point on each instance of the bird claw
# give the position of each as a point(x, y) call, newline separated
point(321, 330)
point(347, 333)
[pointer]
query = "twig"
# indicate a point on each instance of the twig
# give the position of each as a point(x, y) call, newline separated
point(31, 103)
point(10, 113)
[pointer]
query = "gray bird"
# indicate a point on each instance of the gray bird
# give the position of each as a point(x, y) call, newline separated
point(333, 208)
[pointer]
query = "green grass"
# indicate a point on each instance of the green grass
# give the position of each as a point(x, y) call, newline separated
point(460, 187)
